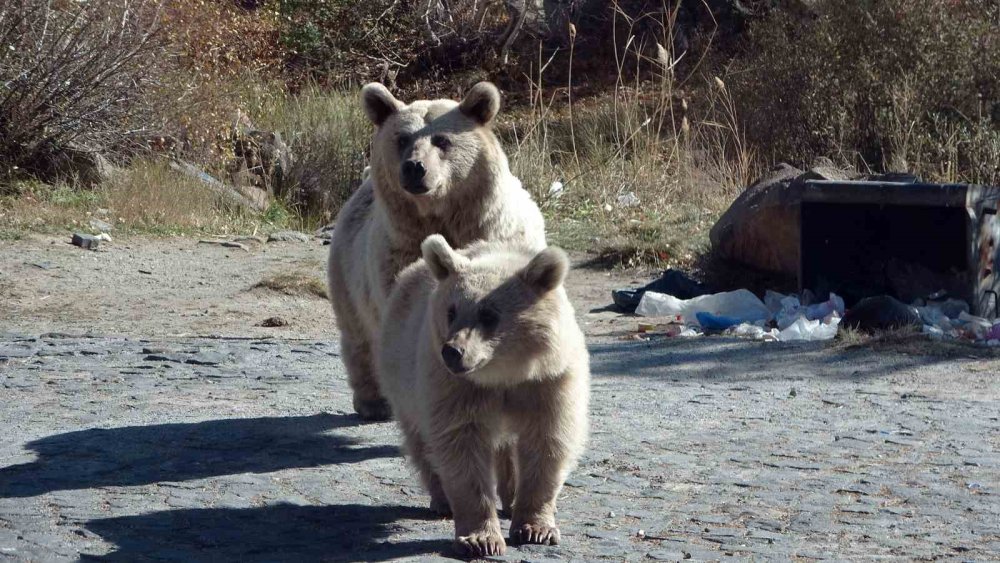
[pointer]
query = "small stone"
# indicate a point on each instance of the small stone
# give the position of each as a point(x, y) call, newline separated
point(224, 243)
point(87, 242)
point(288, 236)
point(611, 514)
point(253, 239)
point(272, 322)
point(101, 226)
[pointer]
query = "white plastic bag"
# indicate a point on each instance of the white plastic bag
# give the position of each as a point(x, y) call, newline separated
point(740, 304)
point(805, 330)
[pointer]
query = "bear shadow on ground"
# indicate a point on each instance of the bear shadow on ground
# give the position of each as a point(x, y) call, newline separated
point(140, 455)
point(283, 532)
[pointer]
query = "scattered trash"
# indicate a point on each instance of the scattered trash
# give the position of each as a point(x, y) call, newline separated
point(628, 200)
point(740, 313)
point(103, 237)
point(804, 329)
point(88, 242)
point(672, 282)
point(880, 313)
point(740, 304)
point(46, 265)
point(556, 189)
point(792, 309)
point(708, 321)
point(272, 322)
point(754, 332)
point(682, 308)
point(147, 272)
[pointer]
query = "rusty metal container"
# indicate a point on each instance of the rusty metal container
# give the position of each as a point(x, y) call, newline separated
point(907, 239)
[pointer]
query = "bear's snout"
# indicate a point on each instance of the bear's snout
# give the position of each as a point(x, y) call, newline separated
point(453, 358)
point(413, 173)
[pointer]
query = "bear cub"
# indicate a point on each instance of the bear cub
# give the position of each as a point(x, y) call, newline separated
point(487, 373)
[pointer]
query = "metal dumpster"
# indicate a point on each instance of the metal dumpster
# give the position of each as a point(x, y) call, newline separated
point(910, 240)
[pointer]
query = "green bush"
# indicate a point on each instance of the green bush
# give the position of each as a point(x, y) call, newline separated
point(881, 84)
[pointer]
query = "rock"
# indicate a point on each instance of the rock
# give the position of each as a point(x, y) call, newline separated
point(101, 226)
point(288, 236)
point(272, 322)
point(266, 156)
point(761, 228)
point(224, 243)
point(253, 239)
point(88, 242)
point(326, 232)
point(880, 313)
point(84, 165)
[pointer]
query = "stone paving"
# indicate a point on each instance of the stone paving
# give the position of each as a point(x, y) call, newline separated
point(247, 450)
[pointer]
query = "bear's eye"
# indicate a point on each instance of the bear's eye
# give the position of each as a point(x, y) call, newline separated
point(403, 141)
point(452, 313)
point(488, 318)
point(441, 142)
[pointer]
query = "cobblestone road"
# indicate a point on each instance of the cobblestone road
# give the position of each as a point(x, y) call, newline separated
point(246, 449)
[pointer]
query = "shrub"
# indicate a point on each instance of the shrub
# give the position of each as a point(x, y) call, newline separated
point(883, 84)
point(72, 75)
point(328, 135)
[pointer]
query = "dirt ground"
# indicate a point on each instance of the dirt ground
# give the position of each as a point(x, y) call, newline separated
point(147, 417)
point(181, 287)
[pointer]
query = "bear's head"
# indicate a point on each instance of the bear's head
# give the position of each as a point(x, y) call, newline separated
point(498, 314)
point(430, 149)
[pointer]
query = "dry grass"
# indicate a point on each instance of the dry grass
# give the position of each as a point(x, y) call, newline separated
point(148, 197)
point(910, 340)
point(329, 136)
point(296, 282)
point(643, 178)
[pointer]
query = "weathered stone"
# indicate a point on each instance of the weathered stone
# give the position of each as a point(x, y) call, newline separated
point(101, 226)
point(225, 244)
point(88, 242)
point(288, 236)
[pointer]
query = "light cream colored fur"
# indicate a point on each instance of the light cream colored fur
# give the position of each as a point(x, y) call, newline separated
point(512, 426)
point(471, 196)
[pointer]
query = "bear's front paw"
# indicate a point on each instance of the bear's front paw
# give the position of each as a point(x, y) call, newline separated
point(534, 533)
point(481, 544)
point(372, 410)
point(441, 507)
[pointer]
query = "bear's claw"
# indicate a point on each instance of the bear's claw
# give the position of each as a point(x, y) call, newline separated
point(534, 533)
point(481, 544)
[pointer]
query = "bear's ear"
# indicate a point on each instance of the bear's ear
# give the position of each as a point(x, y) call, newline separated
point(379, 104)
point(481, 103)
point(440, 258)
point(546, 271)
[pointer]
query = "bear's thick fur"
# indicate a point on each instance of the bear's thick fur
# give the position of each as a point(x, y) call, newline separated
point(436, 167)
point(487, 374)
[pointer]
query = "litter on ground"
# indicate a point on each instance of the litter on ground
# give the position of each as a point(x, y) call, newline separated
point(794, 318)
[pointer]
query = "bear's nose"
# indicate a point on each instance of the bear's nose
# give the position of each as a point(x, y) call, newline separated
point(413, 173)
point(452, 357)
